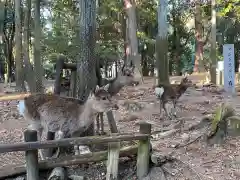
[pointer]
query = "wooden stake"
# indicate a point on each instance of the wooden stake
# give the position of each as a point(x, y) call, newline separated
point(112, 122)
point(143, 151)
point(113, 160)
point(31, 156)
point(113, 150)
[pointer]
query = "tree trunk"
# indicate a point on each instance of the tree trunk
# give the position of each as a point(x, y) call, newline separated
point(124, 36)
point(198, 36)
point(162, 43)
point(29, 72)
point(37, 48)
point(176, 39)
point(98, 71)
point(132, 32)
point(86, 73)
point(19, 61)
point(213, 44)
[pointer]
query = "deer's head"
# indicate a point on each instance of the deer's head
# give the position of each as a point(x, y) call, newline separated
point(128, 71)
point(102, 101)
point(185, 81)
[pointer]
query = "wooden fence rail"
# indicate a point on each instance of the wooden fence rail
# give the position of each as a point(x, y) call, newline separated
point(31, 145)
point(26, 146)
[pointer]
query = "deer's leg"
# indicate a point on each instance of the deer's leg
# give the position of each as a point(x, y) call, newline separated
point(60, 136)
point(165, 109)
point(83, 149)
point(174, 108)
point(39, 130)
point(102, 124)
point(161, 106)
point(41, 151)
point(89, 131)
point(48, 153)
point(98, 124)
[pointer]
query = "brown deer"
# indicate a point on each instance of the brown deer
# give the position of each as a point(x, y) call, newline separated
point(66, 117)
point(125, 77)
point(171, 92)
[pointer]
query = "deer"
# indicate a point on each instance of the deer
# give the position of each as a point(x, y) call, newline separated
point(125, 77)
point(171, 92)
point(64, 116)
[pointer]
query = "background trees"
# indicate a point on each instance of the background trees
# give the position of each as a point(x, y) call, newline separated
point(54, 27)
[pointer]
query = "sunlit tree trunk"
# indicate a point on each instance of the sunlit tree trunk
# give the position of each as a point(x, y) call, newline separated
point(37, 47)
point(130, 7)
point(198, 37)
point(18, 58)
point(162, 43)
point(213, 44)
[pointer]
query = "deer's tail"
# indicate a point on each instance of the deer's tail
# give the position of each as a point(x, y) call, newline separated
point(159, 91)
point(21, 107)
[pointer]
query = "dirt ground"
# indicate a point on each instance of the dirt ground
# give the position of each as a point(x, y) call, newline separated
point(209, 162)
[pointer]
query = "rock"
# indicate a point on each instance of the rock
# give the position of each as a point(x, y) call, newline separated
point(155, 173)
point(75, 177)
point(58, 173)
point(21, 178)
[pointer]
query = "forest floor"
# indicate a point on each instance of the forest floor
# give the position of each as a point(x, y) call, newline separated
point(209, 162)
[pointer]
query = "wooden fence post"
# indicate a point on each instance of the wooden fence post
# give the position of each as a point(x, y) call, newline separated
point(31, 156)
point(72, 91)
point(113, 161)
point(112, 122)
point(113, 151)
point(58, 76)
point(143, 151)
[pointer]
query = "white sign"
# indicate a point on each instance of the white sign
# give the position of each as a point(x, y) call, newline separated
point(220, 66)
point(229, 68)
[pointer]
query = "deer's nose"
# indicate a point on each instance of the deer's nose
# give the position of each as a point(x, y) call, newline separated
point(115, 107)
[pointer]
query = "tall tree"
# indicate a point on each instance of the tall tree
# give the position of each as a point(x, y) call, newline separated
point(213, 44)
point(162, 43)
point(130, 7)
point(29, 72)
point(37, 47)
point(18, 58)
point(8, 37)
point(202, 34)
point(198, 36)
point(86, 71)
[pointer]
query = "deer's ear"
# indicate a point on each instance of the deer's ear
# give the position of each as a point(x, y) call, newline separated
point(132, 69)
point(97, 88)
point(106, 87)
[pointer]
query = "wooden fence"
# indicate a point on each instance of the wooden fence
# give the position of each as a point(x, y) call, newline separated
point(31, 146)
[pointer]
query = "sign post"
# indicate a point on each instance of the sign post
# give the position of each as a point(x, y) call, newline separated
point(220, 68)
point(229, 68)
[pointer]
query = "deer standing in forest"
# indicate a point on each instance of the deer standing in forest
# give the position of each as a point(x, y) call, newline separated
point(68, 117)
point(171, 92)
point(125, 77)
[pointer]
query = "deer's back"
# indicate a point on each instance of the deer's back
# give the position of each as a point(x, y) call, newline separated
point(54, 112)
point(61, 115)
